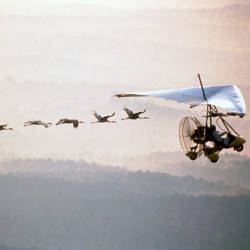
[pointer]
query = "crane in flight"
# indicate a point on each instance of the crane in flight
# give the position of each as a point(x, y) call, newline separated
point(3, 127)
point(69, 121)
point(102, 118)
point(45, 124)
point(132, 115)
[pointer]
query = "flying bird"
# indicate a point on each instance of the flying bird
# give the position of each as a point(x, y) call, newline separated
point(45, 124)
point(3, 127)
point(69, 121)
point(102, 118)
point(132, 115)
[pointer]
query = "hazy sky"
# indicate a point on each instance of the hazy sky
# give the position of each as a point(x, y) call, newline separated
point(62, 66)
point(28, 5)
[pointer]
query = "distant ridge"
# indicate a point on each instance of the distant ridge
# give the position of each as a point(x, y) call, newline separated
point(138, 181)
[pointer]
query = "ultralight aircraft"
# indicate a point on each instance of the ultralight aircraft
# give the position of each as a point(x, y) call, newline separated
point(197, 138)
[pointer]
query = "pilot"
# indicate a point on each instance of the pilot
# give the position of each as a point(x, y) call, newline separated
point(217, 138)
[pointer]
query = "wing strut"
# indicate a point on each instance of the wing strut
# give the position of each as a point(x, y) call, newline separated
point(205, 98)
point(202, 89)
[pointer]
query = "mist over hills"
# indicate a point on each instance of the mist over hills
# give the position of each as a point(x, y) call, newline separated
point(139, 181)
point(75, 205)
point(233, 169)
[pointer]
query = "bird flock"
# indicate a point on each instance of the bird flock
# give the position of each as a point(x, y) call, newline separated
point(99, 119)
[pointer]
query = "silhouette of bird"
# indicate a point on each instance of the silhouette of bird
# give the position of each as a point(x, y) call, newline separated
point(132, 115)
point(3, 127)
point(102, 118)
point(68, 121)
point(46, 125)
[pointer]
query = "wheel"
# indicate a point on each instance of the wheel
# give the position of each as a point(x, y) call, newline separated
point(213, 157)
point(239, 148)
point(192, 155)
point(214, 160)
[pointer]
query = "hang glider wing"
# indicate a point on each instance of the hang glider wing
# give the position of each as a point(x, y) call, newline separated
point(228, 97)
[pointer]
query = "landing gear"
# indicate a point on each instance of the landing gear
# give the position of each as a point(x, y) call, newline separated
point(239, 148)
point(214, 160)
point(197, 139)
point(213, 157)
point(192, 155)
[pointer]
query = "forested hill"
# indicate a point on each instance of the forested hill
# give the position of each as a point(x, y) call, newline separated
point(95, 175)
point(5, 247)
point(114, 209)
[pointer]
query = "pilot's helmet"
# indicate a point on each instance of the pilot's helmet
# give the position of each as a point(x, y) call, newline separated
point(213, 128)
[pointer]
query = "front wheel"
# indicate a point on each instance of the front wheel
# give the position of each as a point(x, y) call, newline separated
point(239, 148)
point(192, 155)
point(193, 158)
point(214, 160)
point(213, 157)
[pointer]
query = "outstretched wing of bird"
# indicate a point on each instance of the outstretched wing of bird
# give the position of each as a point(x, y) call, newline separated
point(97, 116)
point(61, 121)
point(128, 111)
point(3, 126)
point(108, 116)
point(141, 112)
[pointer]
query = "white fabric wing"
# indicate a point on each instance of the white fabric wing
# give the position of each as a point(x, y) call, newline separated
point(228, 97)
